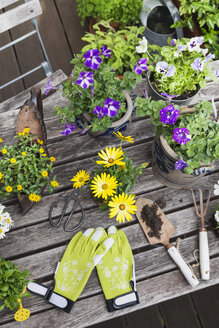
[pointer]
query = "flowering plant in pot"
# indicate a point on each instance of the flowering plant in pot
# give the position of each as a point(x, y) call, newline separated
point(179, 69)
point(96, 94)
point(111, 180)
point(25, 168)
point(123, 43)
point(123, 13)
point(187, 140)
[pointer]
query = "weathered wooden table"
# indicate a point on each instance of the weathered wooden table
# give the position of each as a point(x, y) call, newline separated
point(34, 244)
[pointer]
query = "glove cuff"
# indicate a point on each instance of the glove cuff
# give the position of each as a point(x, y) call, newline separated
point(122, 301)
point(50, 296)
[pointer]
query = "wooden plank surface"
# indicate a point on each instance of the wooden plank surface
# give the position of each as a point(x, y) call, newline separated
point(146, 318)
point(5, 3)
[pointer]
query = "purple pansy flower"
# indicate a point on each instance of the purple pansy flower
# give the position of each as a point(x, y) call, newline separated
point(198, 65)
point(181, 135)
point(49, 87)
point(169, 115)
point(141, 66)
point(163, 68)
point(217, 74)
point(145, 93)
point(111, 107)
point(169, 97)
point(195, 43)
point(106, 52)
point(180, 48)
point(180, 164)
point(68, 129)
point(173, 42)
point(92, 59)
point(209, 57)
point(85, 79)
point(99, 111)
point(92, 91)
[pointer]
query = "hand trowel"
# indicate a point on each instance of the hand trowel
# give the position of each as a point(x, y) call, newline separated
point(167, 229)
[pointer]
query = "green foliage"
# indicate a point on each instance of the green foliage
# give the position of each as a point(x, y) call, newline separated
point(205, 13)
point(122, 43)
point(203, 147)
point(185, 79)
point(106, 85)
point(12, 284)
point(28, 168)
point(124, 12)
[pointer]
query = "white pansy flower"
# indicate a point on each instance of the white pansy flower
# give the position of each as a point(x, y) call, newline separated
point(216, 188)
point(143, 46)
point(216, 216)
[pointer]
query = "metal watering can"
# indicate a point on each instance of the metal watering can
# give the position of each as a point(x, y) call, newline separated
point(157, 16)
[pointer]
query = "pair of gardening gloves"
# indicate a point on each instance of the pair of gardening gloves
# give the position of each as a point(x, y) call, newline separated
point(111, 254)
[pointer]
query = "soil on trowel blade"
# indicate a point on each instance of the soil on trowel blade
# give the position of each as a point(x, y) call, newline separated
point(152, 219)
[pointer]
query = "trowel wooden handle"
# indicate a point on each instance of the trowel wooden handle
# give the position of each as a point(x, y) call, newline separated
point(204, 254)
point(183, 266)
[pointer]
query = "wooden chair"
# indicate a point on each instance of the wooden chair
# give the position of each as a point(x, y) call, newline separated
point(20, 14)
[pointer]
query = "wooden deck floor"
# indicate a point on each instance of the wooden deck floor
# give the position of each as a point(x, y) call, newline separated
point(61, 32)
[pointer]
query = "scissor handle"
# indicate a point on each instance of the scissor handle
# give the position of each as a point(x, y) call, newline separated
point(77, 201)
point(57, 224)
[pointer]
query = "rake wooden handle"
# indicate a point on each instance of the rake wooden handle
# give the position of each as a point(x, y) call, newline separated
point(204, 254)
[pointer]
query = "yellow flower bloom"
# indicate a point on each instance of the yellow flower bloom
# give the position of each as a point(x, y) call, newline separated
point(20, 134)
point(52, 159)
point(80, 178)
point(111, 156)
point(1, 140)
point(40, 142)
point(9, 189)
point(44, 174)
point(4, 151)
point(122, 206)
point(41, 150)
point(44, 155)
point(13, 160)
point(26, 131)
point(23, 153)
point(19, 187)
point(1, 175)
point(104, 185)
point(121, 137)
point(54, 184)
point(34, 198)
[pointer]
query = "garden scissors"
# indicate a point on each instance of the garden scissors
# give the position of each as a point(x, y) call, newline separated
point(75, 197)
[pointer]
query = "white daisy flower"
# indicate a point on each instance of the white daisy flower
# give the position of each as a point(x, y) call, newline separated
point(2, 232)
point(216, 216)
point(5, 221)
point(216, 188)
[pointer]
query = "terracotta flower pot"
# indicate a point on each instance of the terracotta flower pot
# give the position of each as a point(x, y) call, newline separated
point(120, 125)
point(163, 165)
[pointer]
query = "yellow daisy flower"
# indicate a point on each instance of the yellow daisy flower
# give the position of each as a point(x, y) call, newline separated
point(13, 160)
point(1, 175)
point(52, 159)
point(41, 150)
point(44, 174)
point(4, 151)
point(111, 156)
point(1, 140)
point(23, 153)
point(40, 142)
point(44, 155)
point(80, 178)
point(104, 185)
point(19, 187)
point(34, 198)
point(121, 137)
point(54, 184)
point(9, 189)
point(122, 206)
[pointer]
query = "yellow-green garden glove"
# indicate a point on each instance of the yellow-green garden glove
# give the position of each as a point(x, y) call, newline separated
point(84, 251)
point(116, 272)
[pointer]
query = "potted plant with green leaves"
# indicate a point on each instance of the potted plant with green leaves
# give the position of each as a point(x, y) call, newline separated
point(97, 97)
point(179, 69)
point(186, 142)
point(13, 284)
point(111, 180)
point(123, 13)
point(25, 169)
point(127, 45)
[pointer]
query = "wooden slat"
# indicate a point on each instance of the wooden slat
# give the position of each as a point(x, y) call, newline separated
point(115, 323)
point(180, 312)
point(5, 3)
point(93, 310)
point(145, 318)
point(19, 15)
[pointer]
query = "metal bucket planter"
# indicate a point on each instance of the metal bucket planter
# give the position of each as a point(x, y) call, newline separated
point(157, 16)
point(163, 165)
point(154, 94)
point(120, 125)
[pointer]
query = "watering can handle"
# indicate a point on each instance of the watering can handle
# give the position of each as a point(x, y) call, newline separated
point(175, 16)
